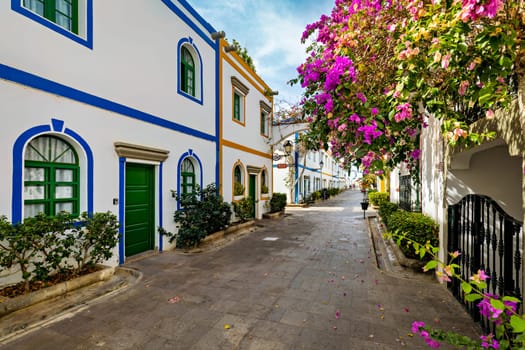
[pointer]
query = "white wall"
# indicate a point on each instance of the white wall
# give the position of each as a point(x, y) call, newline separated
point(133, 61)
point(244, 142)
point(491, 172)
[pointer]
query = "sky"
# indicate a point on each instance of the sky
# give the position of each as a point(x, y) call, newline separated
point(271, 32)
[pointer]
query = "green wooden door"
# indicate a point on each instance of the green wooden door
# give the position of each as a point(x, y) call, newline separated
point(140, 208)
point(252, 192)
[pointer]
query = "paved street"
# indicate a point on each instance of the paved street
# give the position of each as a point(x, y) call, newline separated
point(305, 281)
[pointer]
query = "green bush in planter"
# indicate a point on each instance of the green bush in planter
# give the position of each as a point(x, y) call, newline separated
point(417, 227)
point(376, 198)
point(386, 209)
point(278, 202)
point(202, 213)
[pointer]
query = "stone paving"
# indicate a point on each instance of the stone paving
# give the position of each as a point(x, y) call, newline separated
point(308, 280)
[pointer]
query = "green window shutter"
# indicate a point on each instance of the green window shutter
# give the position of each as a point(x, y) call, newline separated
point(236, 107)
point(51, 177)
point(263, 123)
point(187, 176)
point(187, 72)
point(61, 12)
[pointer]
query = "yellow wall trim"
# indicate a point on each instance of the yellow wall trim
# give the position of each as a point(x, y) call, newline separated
point(246, 149)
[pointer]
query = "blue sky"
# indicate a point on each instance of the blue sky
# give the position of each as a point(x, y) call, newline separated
point(271, 31)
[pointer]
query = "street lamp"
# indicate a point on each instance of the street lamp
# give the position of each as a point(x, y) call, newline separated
point(288, 147)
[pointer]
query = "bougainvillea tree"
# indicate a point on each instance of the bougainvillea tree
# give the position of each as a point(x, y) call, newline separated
point(376, 68)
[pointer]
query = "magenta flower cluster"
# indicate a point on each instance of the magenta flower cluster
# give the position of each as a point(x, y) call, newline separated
point(418, 327)
point(475, 9)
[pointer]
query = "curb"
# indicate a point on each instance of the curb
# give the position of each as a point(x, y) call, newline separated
point(10, 305)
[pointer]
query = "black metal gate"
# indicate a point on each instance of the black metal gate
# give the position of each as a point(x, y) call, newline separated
point(488, 239)
point(405, 192)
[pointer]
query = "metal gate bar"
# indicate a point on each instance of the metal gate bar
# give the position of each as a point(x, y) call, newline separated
point(488, 239)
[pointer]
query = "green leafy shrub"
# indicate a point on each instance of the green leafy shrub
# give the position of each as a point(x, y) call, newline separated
point(42, 246)
point(333, 191)
point(316, 195)
point(376, 198)
point(386, 209)
point(244, 209)
point(416, 227)
point(238, 189)
point(202, 212)
point(278, 202)
point(95, 240)
point(264, 189)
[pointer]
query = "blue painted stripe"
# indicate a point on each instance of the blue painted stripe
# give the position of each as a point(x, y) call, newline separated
point(28, 79)
point(195, 14)
point(189, 22)
point(121, 202)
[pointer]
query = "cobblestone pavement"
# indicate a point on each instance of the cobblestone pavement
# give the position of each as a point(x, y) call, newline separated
point(308, 280)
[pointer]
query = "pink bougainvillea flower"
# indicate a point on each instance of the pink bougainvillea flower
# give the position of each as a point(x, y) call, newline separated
point(463, 87)
point(480, 276)
point(455, 254)
point(337, 315)
point(445, 61)
point(488, 342)
point(489, 114)
point(416, 326)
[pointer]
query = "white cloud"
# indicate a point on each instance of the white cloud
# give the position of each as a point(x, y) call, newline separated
point(270, 31)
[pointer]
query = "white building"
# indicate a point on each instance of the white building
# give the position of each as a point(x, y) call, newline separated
point(299, 173)
point(245, 134)
point(114, 106)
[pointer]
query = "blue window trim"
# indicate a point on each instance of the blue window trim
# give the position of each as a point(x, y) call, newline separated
point(185, 155)
point(200, 97)
point(28, 79)
point(16, 5)
point(190, 23)
point(57, 127)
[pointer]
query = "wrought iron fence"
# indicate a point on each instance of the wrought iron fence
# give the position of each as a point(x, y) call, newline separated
point(405, 192)
point(488, 239)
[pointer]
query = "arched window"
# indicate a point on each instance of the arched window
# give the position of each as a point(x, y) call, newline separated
point(238, 181)
point(264, 182)
point(237, 174)
point(187, 173)
point(51, 177)
point(187, 72)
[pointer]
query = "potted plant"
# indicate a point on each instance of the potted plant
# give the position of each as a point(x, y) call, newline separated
point(264, 189)
point(238, 190)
